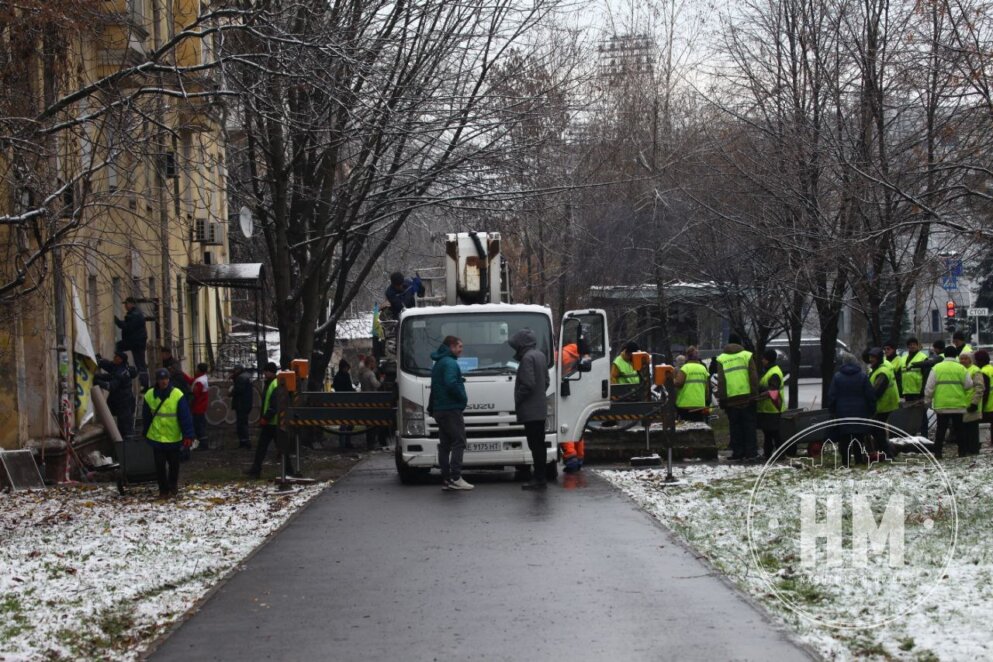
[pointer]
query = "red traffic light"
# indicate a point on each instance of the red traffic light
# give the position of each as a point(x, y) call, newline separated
point(950, 309)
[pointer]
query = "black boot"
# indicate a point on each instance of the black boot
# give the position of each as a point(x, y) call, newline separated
point(534, 484)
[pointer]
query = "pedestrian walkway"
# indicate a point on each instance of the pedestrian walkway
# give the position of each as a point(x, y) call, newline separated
point(374, 570)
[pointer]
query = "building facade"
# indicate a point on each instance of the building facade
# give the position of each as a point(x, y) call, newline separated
point(129, 191)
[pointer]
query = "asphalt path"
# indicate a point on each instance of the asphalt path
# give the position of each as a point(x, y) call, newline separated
point(374, 570)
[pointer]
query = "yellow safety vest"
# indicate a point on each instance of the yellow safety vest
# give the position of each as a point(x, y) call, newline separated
point(949, 390)
point(736, 373)
point(628, 375)
point(891, 396)
point(165, 424)
point(988, 398)
point(913, 377)
point(270, 389)
point(766, 406)
point(693, 393)
point(972, 371)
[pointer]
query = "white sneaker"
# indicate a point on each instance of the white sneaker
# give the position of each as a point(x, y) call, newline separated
point(459, 484)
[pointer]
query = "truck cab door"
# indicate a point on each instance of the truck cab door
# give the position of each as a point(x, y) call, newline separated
point(582, 371)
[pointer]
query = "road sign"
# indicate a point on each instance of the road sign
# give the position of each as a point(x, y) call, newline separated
point(978, 312)
point(949, 283)
point(953, 265)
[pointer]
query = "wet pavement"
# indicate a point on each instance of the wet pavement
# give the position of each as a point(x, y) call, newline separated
point(374, 570)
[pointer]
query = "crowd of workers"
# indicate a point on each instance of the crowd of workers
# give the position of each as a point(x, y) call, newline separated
point(953, 381)
point(174, 404)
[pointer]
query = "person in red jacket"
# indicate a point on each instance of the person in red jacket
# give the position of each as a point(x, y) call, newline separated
point(199, 404)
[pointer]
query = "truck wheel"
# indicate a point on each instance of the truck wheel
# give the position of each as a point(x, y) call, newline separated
point(551, 471)
point(408, 475)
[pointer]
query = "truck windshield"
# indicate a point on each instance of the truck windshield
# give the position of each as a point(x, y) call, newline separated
point(484, 338)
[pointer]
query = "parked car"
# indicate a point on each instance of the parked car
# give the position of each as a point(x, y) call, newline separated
point(810, 356)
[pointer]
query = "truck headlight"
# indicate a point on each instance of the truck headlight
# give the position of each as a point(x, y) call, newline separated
point(550, 413)
point(413, 419)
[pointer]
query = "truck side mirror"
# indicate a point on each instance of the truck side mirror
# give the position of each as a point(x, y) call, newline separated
point(585, 364)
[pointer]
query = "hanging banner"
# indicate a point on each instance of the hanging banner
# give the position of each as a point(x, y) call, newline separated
point(85, 362)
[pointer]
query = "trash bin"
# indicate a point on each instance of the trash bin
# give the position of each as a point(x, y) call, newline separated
point(136, 460)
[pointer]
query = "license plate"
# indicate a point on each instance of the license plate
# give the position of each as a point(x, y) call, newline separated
point(483, 446)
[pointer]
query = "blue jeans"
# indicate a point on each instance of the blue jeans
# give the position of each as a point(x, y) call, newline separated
point(451, 443)
point(741, 424)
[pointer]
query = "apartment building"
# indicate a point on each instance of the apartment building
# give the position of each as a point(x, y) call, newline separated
point(125, 184)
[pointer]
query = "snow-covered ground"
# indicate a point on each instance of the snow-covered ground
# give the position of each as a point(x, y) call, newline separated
point(953, 622)
point(87, 574)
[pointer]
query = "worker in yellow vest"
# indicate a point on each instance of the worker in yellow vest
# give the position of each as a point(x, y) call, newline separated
point(737, 390)
point(887, 397)
point(168, 427)
point(982, 359)
point(772, 403)
point(913, 367)
point(622, 369)
point(692, 384)
point(974, 403)
point(268, 422)
point(894, 361)
point(945, 393)
point(959, 341)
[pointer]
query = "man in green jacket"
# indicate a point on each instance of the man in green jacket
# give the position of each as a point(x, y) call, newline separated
point(447, 402)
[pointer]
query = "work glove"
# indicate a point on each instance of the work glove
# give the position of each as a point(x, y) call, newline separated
point(973, 408)
point(187, 442)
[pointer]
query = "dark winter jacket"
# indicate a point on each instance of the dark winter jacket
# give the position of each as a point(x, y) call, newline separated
point(117, 380)
point(532, 377)
point(851, 395)
point(447, 388)
point(182, 381)
point(182, 413)
point(342, 381)
point(241, 392)
point(134, 335)
point(404, 298)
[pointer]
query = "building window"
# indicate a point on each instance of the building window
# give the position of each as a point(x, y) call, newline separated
point(935, 320)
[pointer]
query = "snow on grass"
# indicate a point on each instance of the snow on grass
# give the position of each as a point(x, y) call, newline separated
point(85, 573)
point(955, 622)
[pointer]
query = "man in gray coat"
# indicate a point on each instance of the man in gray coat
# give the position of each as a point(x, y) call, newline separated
point(529, 400)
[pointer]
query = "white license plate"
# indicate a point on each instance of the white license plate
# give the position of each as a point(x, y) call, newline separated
point(483, 446)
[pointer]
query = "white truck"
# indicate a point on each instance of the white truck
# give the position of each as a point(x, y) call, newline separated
point(474, 273)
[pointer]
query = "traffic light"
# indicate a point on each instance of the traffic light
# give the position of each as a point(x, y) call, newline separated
point(950, 309)
point(950, 326)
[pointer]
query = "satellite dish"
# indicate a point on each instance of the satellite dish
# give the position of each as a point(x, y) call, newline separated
point(245, 222)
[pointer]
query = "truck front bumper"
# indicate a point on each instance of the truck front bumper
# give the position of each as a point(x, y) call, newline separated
point(423, 452)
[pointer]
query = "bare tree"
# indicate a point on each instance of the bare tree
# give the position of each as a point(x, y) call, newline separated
point(354, 115)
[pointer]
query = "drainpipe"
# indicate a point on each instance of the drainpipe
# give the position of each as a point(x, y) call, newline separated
point(165, 273)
